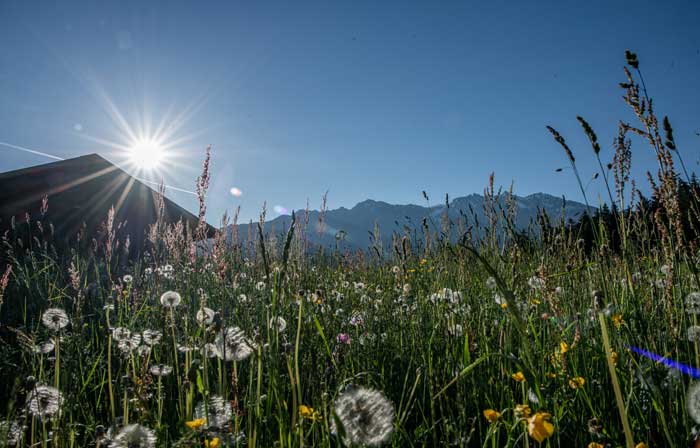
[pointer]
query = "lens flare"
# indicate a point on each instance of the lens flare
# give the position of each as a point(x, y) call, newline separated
point(236, 192)
point(280, 210)
point(668, 362)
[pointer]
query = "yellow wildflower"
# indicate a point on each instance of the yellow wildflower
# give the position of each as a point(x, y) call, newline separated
point(551, 375)
point(617, 320)
point(492, 415)
point(504, 305)
point(641, 445)
point(563, 347)
point(595, 445)
point(423, 261)
point(577, 382)
point(196, 423)
point(614, 357)
point(308, 412)
point(522, 410)
point(213, 443)
point(518, 376)
point(540, 427)
point(411, 271)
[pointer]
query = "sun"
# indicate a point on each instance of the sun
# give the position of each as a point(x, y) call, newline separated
point(146, 153)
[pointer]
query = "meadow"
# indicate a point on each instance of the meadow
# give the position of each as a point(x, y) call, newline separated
point(464, 336)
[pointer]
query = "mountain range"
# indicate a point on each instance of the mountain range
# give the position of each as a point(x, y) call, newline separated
point(353, 227)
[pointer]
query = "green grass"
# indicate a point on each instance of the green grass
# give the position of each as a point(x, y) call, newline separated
point(440, 362)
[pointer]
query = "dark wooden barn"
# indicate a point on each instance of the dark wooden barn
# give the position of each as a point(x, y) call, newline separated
point(80, 193)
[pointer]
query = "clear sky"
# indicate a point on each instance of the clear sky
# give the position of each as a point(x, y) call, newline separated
point(376, 99)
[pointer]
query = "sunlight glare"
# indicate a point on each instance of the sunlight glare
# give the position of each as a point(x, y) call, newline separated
point(146, 153)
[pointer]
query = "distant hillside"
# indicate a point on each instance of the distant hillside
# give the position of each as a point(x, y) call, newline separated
point(358, 222)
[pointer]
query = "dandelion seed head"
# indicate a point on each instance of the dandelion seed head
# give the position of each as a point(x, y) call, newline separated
point(44, 347)
point(205, 316)
point(120, 333)
point(55, 319)
point(278, 323)
point(536, 283)
point(210, 350)
point(170, 299)
point(693, 402)
point(130, 344)
point(666, 269)
point(491, 283)
point(160, 370)
point(694, 333)
point(233, 345)
point(134, 436)
point(143, 350)
point(692, 303)
point(366, 415)
point(218, 411)
point(184, 348)
point(44, 402)
point(152, 337)
point(12, 431)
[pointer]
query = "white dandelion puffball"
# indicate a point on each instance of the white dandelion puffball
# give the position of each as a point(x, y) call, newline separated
point(278, 323)
point(152, 337)
point(210, 351)
point(160, 370)
point(55, 319)
point(694, 333)
point(205, 316)
point(44, 402)
point(134, 435)
point(44, 347)
point(692, 303)
point(120, 333)
point(666, 269)
point(367, 416)
point(233, 345)
point(143, 350)
point(128, 345)
point(491, 283)
point(218, 411)
point(692, 402)
point(536, 283)
point(170, 299)
point(13, 431)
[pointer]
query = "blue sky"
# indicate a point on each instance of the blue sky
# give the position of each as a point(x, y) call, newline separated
point(369, 99)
